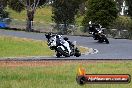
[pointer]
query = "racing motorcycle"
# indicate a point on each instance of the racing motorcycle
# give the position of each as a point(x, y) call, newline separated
point(98, 34)
point(60, 48)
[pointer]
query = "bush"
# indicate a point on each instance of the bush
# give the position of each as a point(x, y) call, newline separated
point(3, 13)
point(102, 12)
point(123, 26)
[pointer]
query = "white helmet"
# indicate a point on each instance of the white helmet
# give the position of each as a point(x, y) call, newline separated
point(90, 22)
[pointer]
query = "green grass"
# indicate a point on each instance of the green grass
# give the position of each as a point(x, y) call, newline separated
point(13, 47)
point(20, 47)
point(61, 76)
point(79, 20)
point(41, 15)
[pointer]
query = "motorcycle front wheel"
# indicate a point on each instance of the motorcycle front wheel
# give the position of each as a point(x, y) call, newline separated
point(64, 53)
point(58, 54)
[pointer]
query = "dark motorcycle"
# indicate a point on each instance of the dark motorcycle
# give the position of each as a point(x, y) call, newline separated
point(60, 49)
point(101, 37)
point(98, 34)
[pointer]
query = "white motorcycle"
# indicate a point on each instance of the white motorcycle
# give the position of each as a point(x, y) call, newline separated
point(62, 48)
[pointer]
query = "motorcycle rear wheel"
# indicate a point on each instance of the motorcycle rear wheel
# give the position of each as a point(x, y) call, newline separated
point(106, 40)
point(77, 52)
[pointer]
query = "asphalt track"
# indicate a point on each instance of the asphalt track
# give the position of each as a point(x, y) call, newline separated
point(120, 49)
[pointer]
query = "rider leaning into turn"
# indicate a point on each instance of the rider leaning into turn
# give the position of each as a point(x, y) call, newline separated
point(94, 28)
point(60, 40)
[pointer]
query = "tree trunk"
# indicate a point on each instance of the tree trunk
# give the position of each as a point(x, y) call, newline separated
point(29, 27)
point(65, 28)
point(30, 16)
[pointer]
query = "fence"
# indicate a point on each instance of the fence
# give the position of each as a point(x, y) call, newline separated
point(44, 27)
point(72, 29)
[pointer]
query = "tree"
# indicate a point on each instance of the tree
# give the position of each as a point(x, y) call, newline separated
point(129, 3)
point(119, 4)
point(3, 3)
point(29, 5)
point(103, 12)
point(64, 12)
point(3, 13)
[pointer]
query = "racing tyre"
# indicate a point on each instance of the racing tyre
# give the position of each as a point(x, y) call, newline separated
point(64, 53)
point(58, 54)
point(107, 41)
point(77, 53)
point(100, 41)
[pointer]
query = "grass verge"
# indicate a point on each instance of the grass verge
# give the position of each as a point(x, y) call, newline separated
point(21, 47)
point(59, 74)
point(42, 14)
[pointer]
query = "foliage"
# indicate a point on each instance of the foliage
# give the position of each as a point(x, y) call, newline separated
point(64, 11)
point(20, 6)
point(13, 4)
point(102, 12)
point(3, 3)
point(129, 3)
point(29, 5)
point(16, 5)
point(119, 4)
point(3, 13)
point(123, 24)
